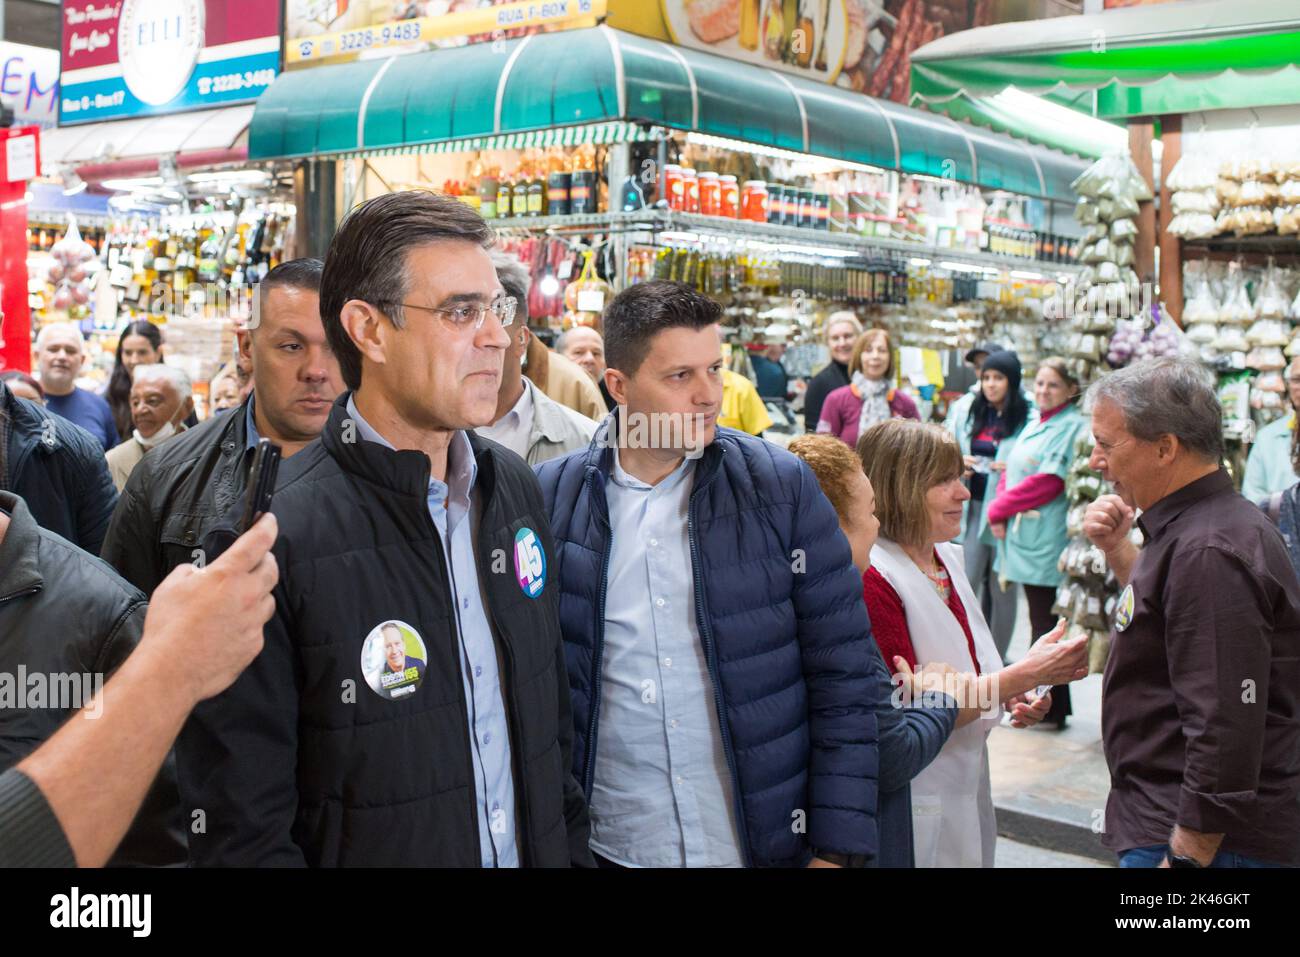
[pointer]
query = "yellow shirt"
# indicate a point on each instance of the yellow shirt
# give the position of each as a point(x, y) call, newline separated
point(741, 406)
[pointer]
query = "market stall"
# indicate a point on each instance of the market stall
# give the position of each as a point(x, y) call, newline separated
point(1190, 238)
point(147, 206)
point(771, 192)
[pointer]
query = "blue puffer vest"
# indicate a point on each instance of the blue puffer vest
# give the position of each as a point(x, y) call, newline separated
point(785, 632)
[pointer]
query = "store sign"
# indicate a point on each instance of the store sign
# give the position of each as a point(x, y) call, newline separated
point(331, 29)
point(860, 45)
point(126, 58)
point(809, 39)
point(29, 84)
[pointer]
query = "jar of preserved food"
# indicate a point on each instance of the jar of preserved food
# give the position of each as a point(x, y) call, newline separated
point(673, 187)
point(710, 194)
point(536, 198)
point(730, 206)
point(690, 191)
point(753, 201)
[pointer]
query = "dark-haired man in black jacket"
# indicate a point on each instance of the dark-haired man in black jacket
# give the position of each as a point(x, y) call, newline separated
point(178, 491)
point(400, 515)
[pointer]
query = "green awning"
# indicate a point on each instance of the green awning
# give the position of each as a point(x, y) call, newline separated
point(1142, 61)
point(603, 85)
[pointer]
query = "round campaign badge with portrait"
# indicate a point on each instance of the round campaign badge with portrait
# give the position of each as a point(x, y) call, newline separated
point(530, 562)
point(1124, 609)
point(393, 659)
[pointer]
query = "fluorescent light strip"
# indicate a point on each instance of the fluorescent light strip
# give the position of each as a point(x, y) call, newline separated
point(740, 146)
point(1043, 112)
point(964, 267)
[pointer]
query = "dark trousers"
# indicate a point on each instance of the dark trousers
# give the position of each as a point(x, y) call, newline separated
point(1041, 621)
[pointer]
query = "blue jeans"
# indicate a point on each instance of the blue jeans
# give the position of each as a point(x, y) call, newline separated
point(1154, 855)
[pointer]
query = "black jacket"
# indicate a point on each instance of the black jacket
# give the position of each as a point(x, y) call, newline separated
point(59, 470)
point(175, 496)
point(833, 377)
point(299, 762)
point(65, 613)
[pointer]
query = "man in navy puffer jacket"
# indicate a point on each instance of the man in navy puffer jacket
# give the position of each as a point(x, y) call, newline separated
point(718, 649)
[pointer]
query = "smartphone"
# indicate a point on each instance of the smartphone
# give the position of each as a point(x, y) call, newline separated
point(261, 483)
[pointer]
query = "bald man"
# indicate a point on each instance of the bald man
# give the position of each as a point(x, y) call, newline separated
point(60, 356)
point(586, 347)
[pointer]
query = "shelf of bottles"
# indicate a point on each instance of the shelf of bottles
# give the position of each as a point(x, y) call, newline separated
point(200, 264)
point(676, 227)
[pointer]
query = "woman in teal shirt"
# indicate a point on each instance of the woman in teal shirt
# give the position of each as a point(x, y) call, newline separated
point(1029, 511)
point(986, 434)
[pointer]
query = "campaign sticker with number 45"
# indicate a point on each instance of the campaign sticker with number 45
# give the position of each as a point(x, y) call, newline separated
point(530, 562)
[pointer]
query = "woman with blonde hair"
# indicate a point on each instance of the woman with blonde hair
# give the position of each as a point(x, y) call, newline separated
point(842, 330)
point(923, 609)
point(870, 397)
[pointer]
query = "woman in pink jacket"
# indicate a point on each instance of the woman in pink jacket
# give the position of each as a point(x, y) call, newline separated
point(871, 397)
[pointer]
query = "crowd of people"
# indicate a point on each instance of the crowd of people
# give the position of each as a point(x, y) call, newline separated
point(522, 606)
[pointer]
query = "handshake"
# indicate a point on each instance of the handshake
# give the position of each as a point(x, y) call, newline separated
point(1052, 660)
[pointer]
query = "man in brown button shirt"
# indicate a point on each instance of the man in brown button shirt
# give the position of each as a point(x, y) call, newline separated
point(1200, 717)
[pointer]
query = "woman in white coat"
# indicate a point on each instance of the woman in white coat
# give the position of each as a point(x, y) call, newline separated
point(923, 609)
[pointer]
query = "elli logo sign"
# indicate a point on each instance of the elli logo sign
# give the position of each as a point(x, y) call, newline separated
point(158, 45)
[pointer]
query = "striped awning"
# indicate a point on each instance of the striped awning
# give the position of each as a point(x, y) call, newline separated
point(593, 133)
point(602, 82)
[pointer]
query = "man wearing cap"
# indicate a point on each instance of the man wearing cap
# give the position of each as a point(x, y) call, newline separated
point(959, 410)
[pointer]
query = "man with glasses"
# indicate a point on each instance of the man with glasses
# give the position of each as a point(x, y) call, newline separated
point(1268, 467)
point(400, 513)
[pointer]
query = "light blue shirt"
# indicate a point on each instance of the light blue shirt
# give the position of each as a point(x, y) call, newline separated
point(661, 793)
point(251, 424)
point(451, 507)
point(1268, 467)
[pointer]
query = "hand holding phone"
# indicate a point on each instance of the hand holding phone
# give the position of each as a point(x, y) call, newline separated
point(261, 483)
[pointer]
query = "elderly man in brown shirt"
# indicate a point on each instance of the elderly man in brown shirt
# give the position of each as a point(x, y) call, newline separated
point(1200, 716)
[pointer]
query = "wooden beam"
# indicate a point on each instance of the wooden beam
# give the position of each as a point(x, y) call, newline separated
point(1171, 246)
point(1140, 132)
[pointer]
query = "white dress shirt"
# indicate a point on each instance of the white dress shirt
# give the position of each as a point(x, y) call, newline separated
point(514, 428)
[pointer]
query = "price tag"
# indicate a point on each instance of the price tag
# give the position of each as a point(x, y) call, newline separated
point(565, 270)
point(20, 157)
point(591, 300)
point(120, 275)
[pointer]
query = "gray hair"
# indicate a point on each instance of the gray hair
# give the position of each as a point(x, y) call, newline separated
point(173, 374)
point(515, 280)
point(69, 329)
point(1166, 396)
point(563, 339)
